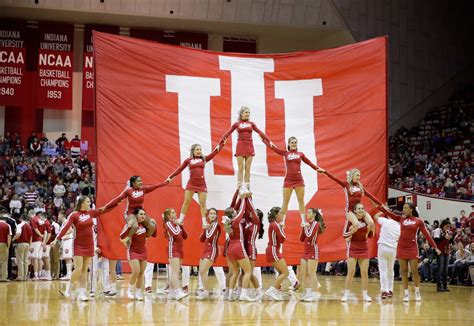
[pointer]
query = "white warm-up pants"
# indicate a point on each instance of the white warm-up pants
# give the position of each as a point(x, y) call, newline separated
point(99, 268)
point(220, 275)
point(386, 257)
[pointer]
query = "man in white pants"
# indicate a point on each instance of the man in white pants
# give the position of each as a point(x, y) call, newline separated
point(387, 251)
point(185, 273)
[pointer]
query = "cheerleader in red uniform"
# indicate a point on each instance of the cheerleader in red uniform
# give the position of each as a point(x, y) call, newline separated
point(244, 149)
point(276, 237)
point(135, 194)
point(407, 249)
point(81, 218)
point(136, 253)
point(354, 190)
point(175, 233)
point(210, 237)
point(236, 253)
point(253, 229)
point(309, 261)
point(293, 178)
point(197, 182)
point(357, 252)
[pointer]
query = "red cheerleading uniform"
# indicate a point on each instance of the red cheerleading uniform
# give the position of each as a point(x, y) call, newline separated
point(407, 247)
point(293, 159)
point(276, 237)
point(353, 193)
point(84, 235)
point(236, 250)
point(251, 228)
point(175, 234)
point(137, 247)
point(135, 197)
point(244, 146)
point(357, 246)
point(210, 237)
point(309, 236)
point(197, 182)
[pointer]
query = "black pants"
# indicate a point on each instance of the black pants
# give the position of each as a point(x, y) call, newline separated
point(442, 272)
point(11, 253)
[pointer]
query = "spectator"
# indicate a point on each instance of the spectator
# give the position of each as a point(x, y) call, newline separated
point(427, 257)
point(61, 139)
point(87, 189)
point(59, 189)
point(21, 189)
point(15, 205)
point(30, 197)
point(76, 141)
point(442, 236)
point(461, 264)
point(35, 147)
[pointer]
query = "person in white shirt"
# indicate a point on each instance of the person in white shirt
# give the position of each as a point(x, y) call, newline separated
point(59, 189)
point(387, 251)
point(15, 204)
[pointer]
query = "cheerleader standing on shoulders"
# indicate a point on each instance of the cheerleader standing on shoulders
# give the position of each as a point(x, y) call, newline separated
point(293, 178)
point(210, 237)
point(407, 249)
point(309, 261)
point(358, 252)
point(197, 183)
point(81, 218)
point(276, 237)
point(354, 190)
point(175, 234)
point(244, 150)
point(137, 251)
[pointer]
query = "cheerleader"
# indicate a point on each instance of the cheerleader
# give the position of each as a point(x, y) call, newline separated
point(209, 237)
point(136, 253)
point(175, 233)
point(276, 237)
point(354, 190)
point(244, 149)
point(254, 229)
point(135, 194)
point(407, 248)
point(358, 252)
point(309, 261)
point(81, 218)
point(293, 178)
point(236, 253)
point(197, 183)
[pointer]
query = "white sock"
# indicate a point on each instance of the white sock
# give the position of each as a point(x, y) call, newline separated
point(271, 289)
point(68, 286)
point(231, 293)
point(364, 293)
point(243, 292)
point(309, 290)
point(36, 274)
point(131, 288)
point(417, 290)
point(69, 270)
point(346, 293)
point(259, 291)
point(303, 218)
point(247, 185)
point(139, 291)
point(406, 292)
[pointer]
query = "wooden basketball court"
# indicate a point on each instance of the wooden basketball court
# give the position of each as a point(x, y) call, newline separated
point(29, 303)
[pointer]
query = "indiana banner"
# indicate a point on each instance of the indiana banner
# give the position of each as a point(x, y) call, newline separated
point(13, 89)
point(55, 62)
point(153, 101)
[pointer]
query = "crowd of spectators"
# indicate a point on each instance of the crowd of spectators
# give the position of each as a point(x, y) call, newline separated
point(435, 156)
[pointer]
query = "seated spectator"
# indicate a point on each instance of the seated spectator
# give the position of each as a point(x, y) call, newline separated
point(59, 189)
point(30, 197)
point(61, 139)
point(35, 147)
point(461, 264)
point(15, 205)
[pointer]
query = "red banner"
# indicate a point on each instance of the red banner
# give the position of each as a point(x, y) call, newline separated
point(12, 63)
point(186, 39)
point(154, 101)
point(88, 67)
point(55, 66)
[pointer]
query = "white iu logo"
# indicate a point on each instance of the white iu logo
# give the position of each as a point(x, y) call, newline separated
point(247, 89)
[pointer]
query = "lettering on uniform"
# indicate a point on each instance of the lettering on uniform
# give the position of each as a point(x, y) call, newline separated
point(137, 194)
point(84, 217)
point(409, 222)
point(293, 156)
point(195, 161)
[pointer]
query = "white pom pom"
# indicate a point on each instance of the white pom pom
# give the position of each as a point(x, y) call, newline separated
point(320, 211)
point(347, 172)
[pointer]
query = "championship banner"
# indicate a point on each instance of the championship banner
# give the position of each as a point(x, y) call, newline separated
point(55, 66)
point(187, 39)
point(88, 66)
point(12, 63)
point(154, 101)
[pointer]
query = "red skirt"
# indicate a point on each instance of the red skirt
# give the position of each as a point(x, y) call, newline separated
point(251, 251)
point(311, 252)
point(293, 181)
point(407, 251)
point(84, 249)
point(358, 249)
point(197, 185)
point(136, 255)
point(273, 254)
point(236, 250)
point(244, 148)
point(210, 253)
